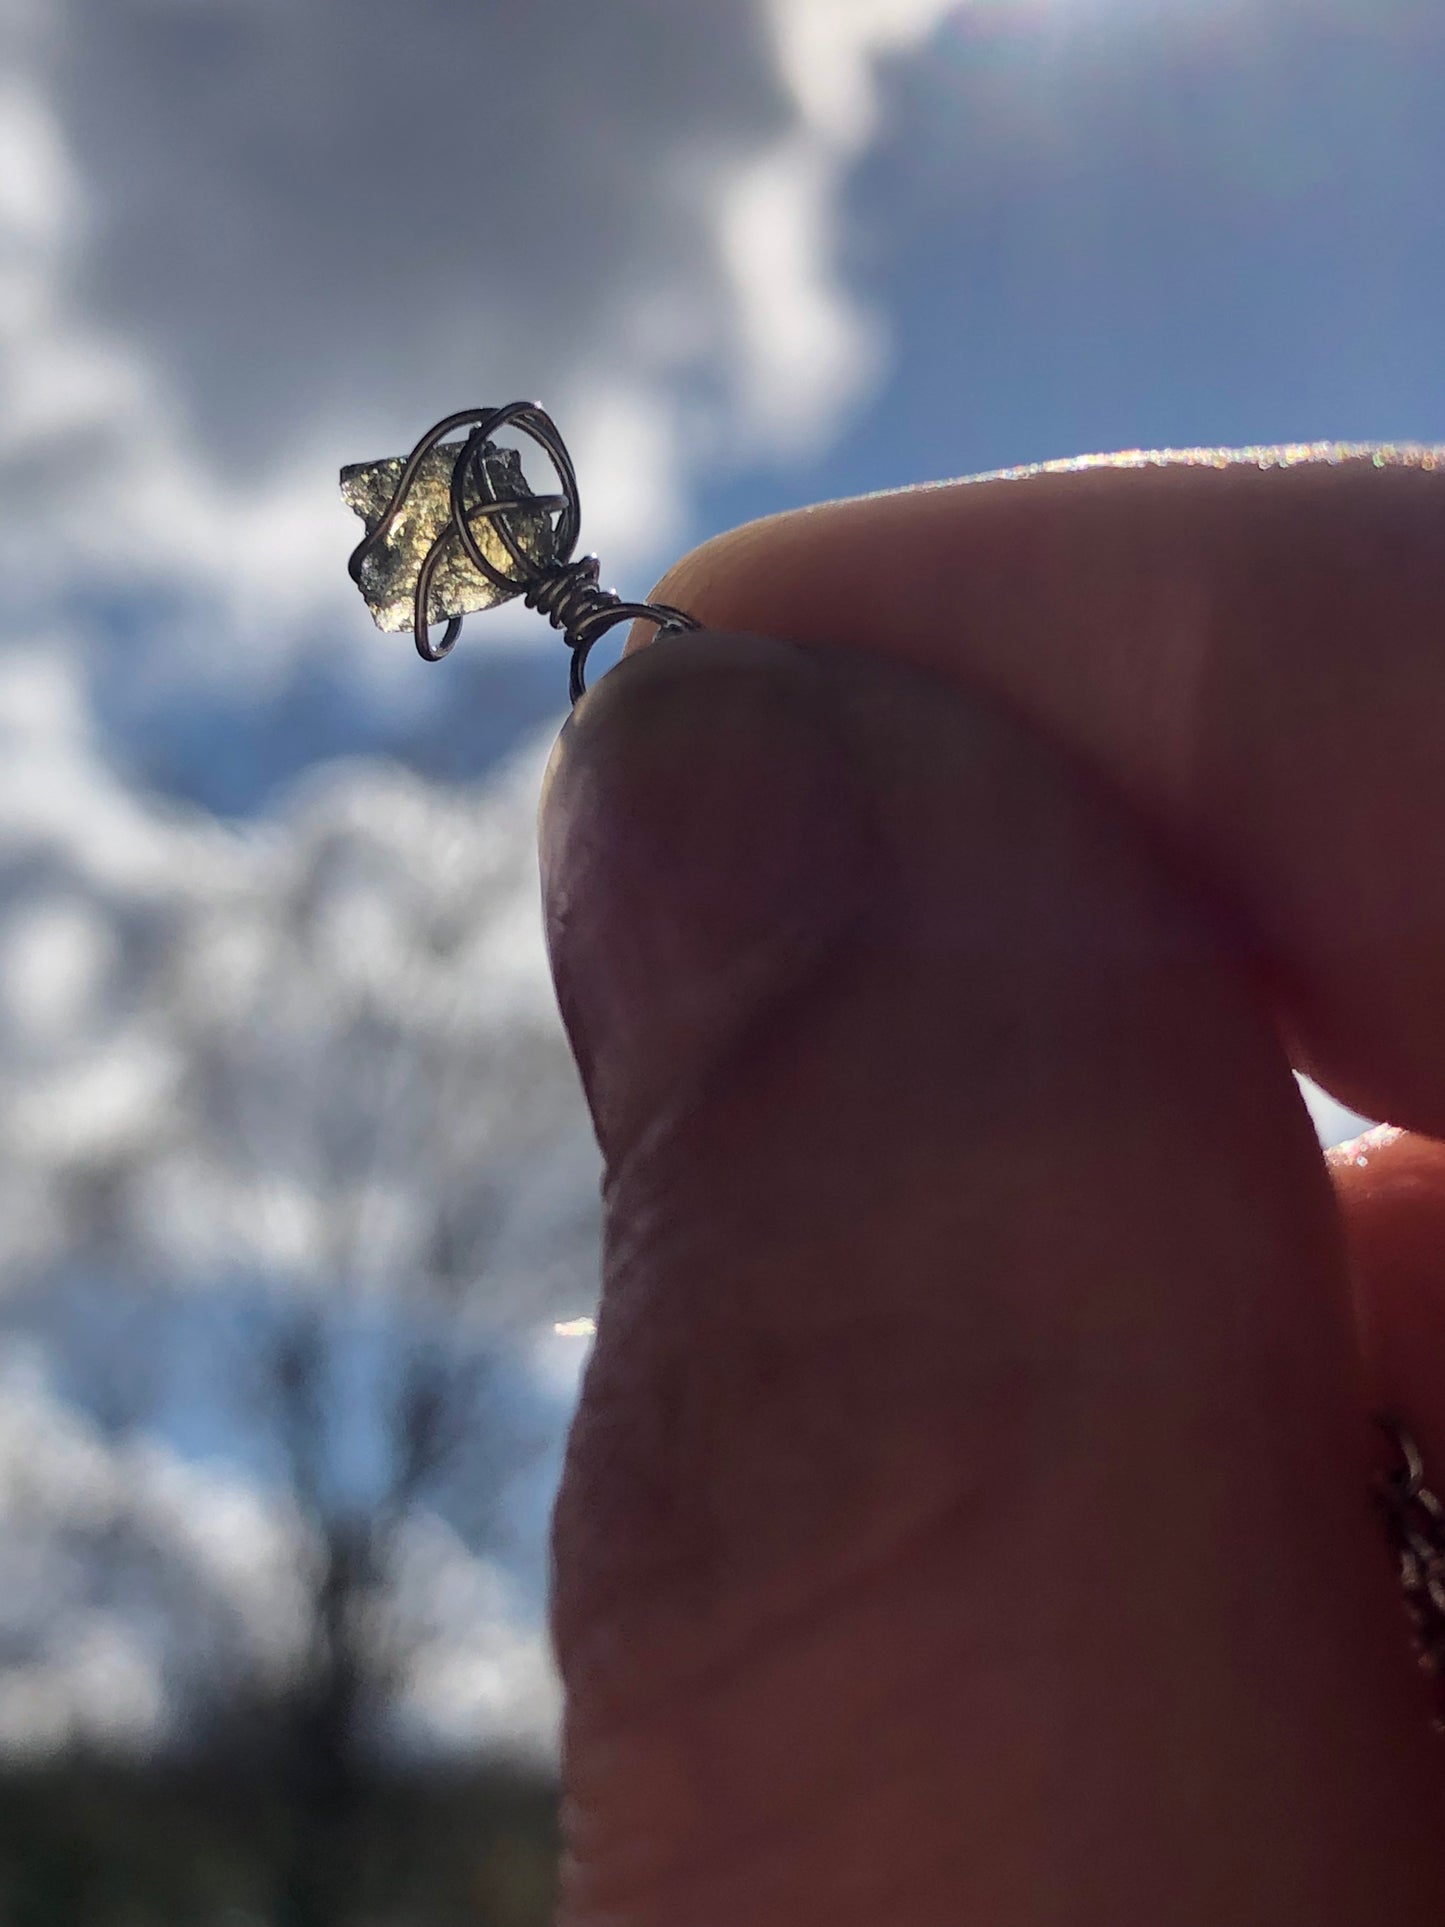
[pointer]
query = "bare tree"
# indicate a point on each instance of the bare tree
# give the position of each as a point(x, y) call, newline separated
point(376, 1115)
point(370, 1147)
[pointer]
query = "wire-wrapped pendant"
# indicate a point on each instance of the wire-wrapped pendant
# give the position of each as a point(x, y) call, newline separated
point(453, 528)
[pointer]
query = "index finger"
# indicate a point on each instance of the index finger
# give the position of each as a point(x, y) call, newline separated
point(1248, 645)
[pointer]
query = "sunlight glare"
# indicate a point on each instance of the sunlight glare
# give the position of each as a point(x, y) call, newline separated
point(575, 1328)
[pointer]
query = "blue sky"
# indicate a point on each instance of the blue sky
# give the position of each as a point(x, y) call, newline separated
point(752, 253)
point(1100, 226)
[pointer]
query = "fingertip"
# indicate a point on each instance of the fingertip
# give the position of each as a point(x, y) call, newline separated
point(1391, 1189)
point(703, 835)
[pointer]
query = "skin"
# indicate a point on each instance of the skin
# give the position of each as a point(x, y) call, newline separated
point(966, 1522)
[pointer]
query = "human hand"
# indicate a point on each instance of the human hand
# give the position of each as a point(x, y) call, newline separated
point(966, 1521)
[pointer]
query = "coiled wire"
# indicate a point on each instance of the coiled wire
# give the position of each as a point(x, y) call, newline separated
point(564, 589)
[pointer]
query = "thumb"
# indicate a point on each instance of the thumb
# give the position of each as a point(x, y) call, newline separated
point(965, 1517)
point(682, 894)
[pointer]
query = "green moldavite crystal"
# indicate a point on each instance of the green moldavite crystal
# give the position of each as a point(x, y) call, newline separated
point(388, 573)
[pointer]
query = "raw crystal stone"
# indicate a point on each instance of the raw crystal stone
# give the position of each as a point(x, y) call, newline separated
point(388, 573)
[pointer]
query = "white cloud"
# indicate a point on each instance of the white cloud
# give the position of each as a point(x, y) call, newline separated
point(38, 194)
point(56, 953)
point(800, 352)
point(222, 1047)
point(804, 349)
point(242, 242)
point(103, 1689)
point(829, 52)
point(480, 1664)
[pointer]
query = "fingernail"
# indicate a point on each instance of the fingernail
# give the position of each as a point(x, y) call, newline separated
point(704, 839)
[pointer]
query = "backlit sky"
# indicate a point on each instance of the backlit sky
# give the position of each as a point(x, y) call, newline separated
point(1106, 224)
point(751, 253)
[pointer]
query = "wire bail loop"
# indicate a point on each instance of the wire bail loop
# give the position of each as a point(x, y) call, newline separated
point(487, 505)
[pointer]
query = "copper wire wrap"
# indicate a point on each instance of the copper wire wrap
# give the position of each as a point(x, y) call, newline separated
point(564, 589)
